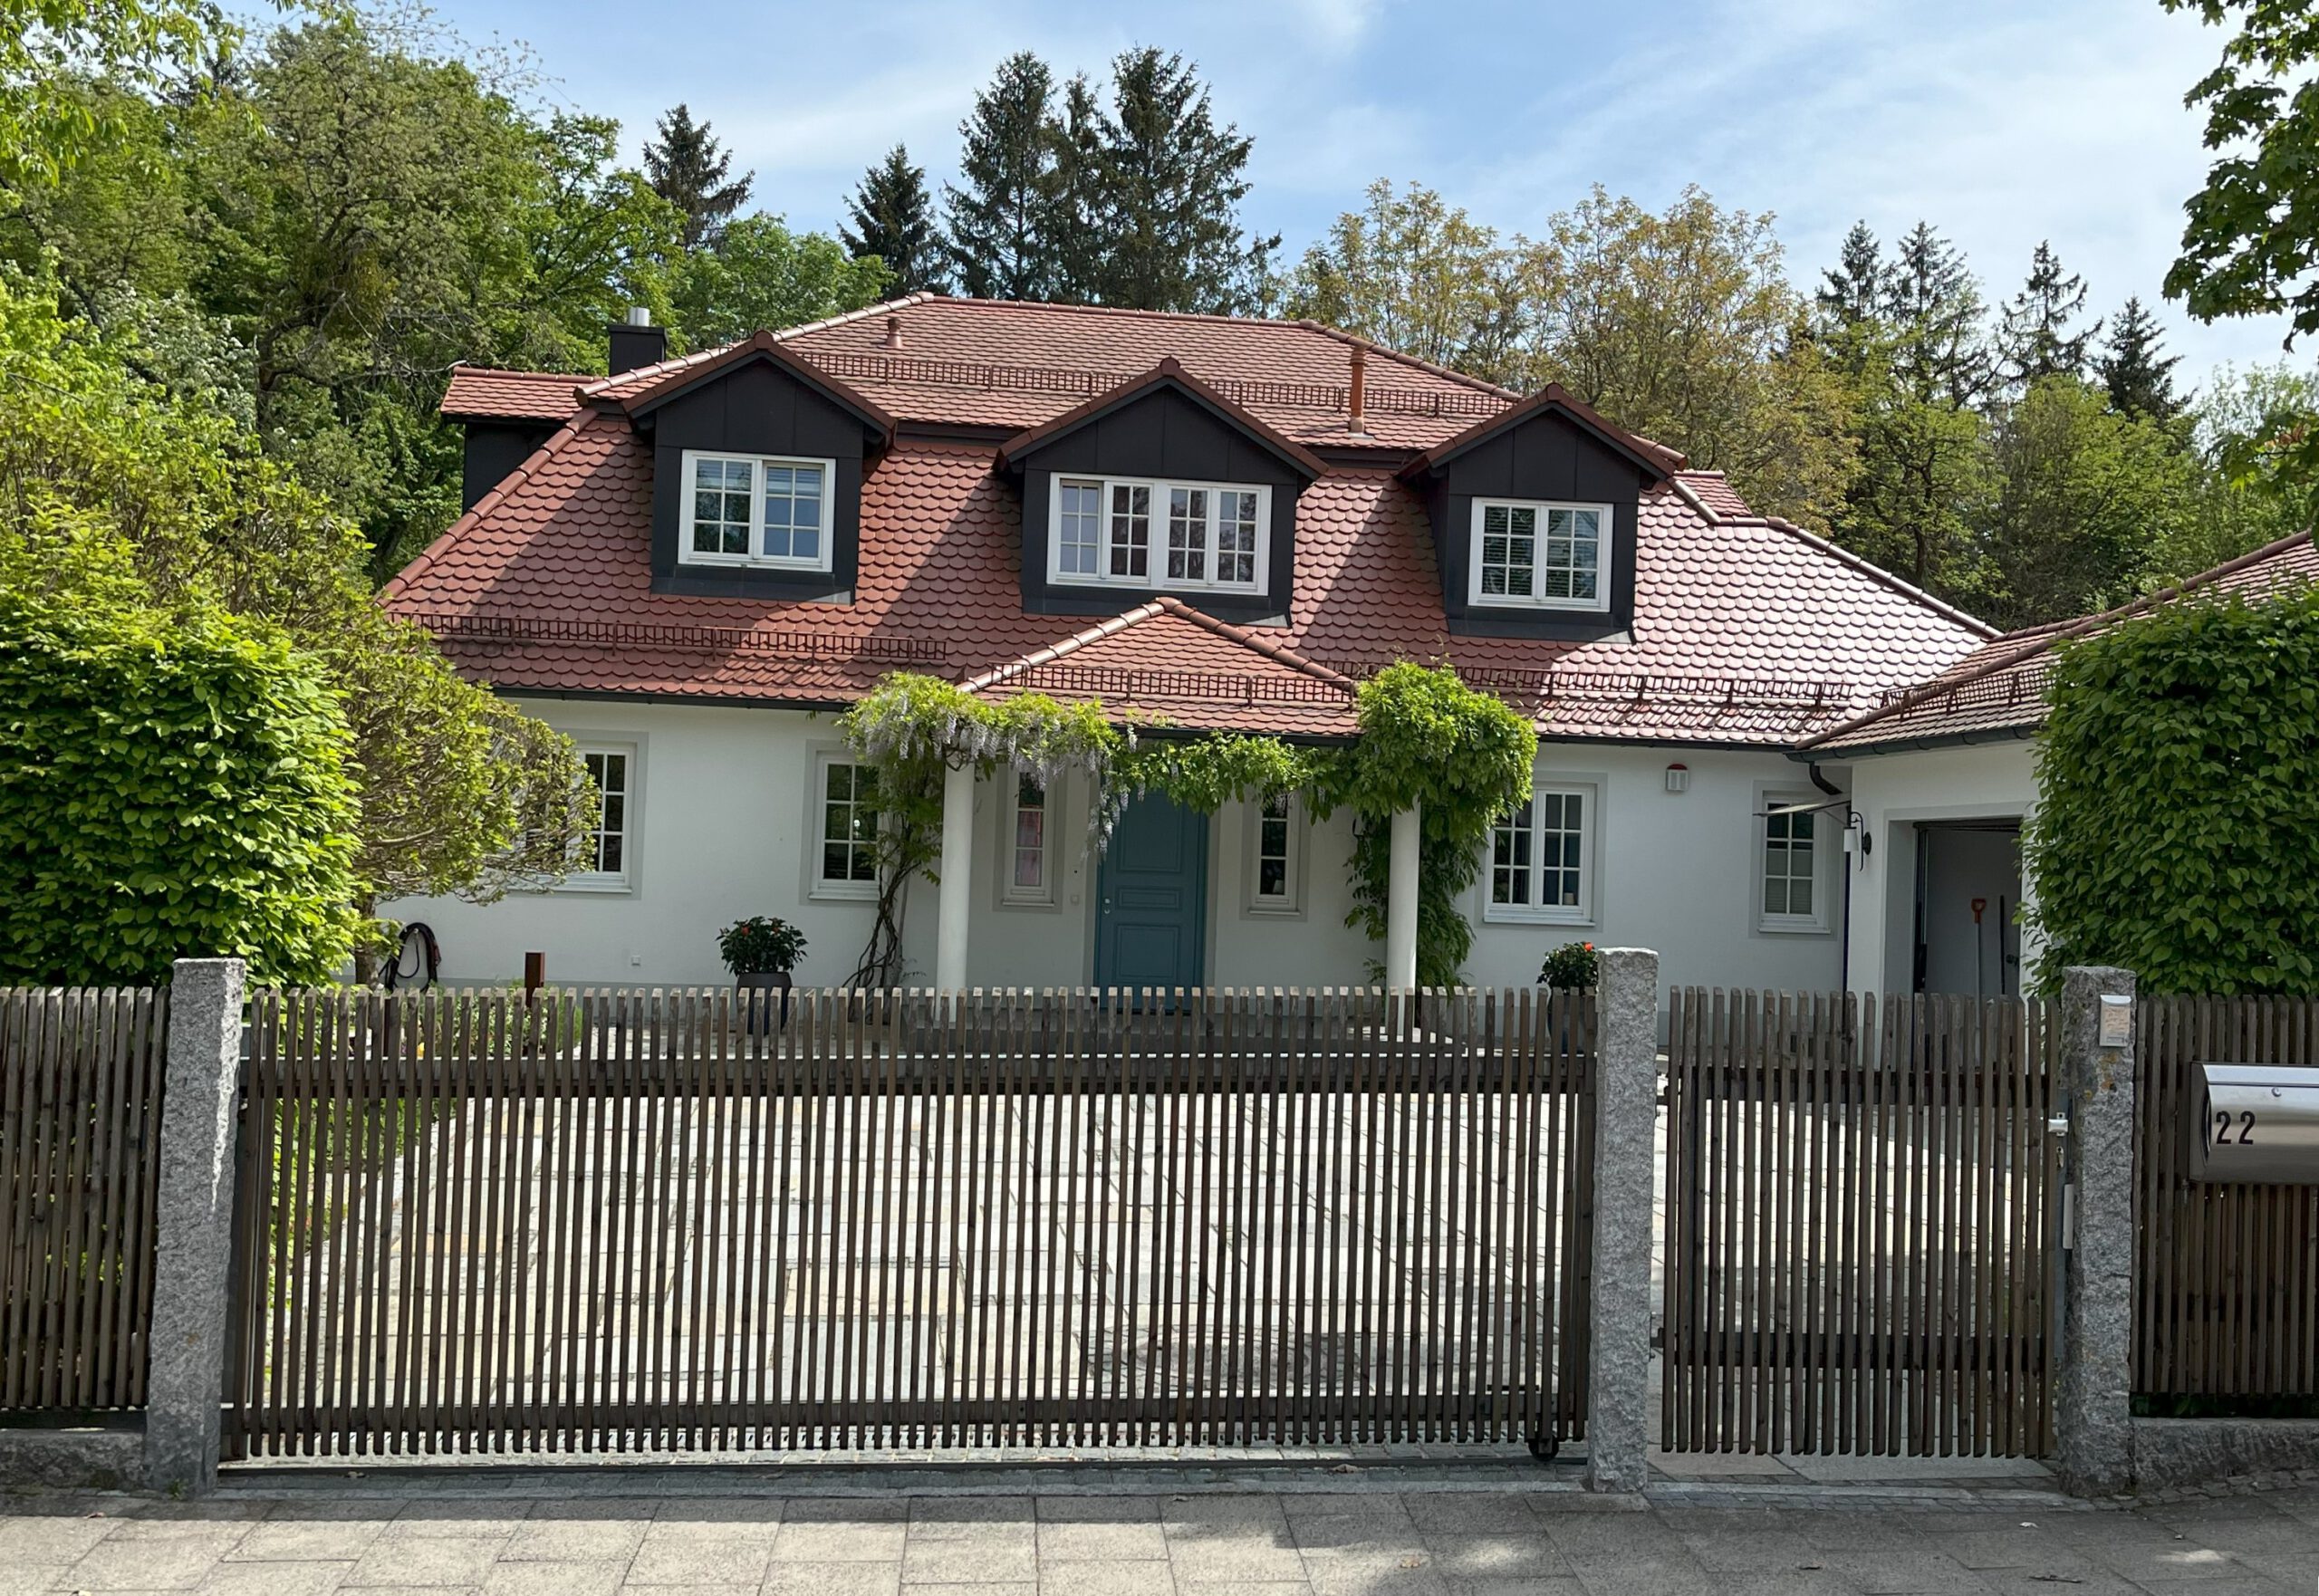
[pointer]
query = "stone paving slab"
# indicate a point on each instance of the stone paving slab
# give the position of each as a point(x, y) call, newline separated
point(331, 1534)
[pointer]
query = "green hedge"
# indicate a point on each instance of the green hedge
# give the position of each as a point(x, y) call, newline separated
point(168, 788)
point(2177, 831)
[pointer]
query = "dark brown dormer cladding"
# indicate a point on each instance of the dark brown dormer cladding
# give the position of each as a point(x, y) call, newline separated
point(1165, 433)
point(1545, 457)
point(756, 407)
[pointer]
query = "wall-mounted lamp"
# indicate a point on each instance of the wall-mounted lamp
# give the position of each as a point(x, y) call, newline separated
point(1678, 778)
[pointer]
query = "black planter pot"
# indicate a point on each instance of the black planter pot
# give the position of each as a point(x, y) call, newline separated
point(759, 1010)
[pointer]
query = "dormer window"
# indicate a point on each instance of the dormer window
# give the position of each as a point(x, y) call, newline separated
point(765, 511)
point(1118, 532)
point(1546, 556)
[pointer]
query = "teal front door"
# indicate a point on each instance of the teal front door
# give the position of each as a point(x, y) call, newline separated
point(1151, 900)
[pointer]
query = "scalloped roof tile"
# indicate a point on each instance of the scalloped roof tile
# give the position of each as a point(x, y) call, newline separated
point(1747, 631)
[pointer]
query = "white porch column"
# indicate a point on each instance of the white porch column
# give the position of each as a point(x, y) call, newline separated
point(957, 872)
point(1400, 902)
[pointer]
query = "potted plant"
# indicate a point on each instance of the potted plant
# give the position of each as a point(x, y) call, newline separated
point(761, 951)
point(1569, 968)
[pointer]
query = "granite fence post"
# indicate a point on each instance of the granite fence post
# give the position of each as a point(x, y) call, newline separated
point(1626, 1116)
point(2092, 1410)
point(193, 1237)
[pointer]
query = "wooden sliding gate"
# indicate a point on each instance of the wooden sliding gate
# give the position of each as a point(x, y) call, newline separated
point(1860, 1201)
point(647, 1221)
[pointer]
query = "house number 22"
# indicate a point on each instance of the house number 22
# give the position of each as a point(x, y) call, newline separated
point(2245, 1123)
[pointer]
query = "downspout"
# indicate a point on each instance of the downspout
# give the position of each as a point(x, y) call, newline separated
point(1844, 947)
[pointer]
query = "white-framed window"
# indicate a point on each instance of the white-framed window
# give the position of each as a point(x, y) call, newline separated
point(1793, 838)
point(1541, 858)
point(1547, 556)
point(1122, 532)
point(608, 857)
point(1079, 529)
point(845, 829)
point(1275, 846)
point(1028, 858)
point(756, 509)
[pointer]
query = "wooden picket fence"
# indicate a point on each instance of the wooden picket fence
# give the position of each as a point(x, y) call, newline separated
point(2226, 1299)
point(1860, 1202)
point(632, 1220)
point(79, 1116)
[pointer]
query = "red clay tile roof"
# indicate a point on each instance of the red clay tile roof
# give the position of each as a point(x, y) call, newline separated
point(1998, 690)
point(480, 393)
point(1169, 373)
point(1003, 363)
point(1655, 458)
point(1747, 631)
point(1186, 668)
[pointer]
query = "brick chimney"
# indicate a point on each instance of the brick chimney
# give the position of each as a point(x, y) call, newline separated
point(1356, 395)
point(635, 341)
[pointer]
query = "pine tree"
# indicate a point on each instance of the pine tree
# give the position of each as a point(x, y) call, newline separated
point(894, 220)
point(1078, 223)
point(1850, 291)
point(1935, 309)
point(2036, 339)
point(1173, 183)
point(996, 226)
point(688, 170)
point(2140, 382)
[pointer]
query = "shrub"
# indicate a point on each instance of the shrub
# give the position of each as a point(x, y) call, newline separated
point(1572, 966)
point(2178, 774)
point(760, 943)
point(167, 789)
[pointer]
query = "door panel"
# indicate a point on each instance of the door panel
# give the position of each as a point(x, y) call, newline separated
point(1152, 911)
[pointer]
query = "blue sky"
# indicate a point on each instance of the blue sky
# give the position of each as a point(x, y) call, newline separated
point(2002, 121)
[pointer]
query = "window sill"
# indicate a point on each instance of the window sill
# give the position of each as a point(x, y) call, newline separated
point(1273, 911)
point(1793, 928)
point(843, 893)
point(1029, 903)
point(602, 886)
point(1157, 584)
point(1538, 606)
point(742, 562)
point(1507, 915)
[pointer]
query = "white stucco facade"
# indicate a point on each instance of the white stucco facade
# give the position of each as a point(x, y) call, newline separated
point(722, 824)
point(1893, 792)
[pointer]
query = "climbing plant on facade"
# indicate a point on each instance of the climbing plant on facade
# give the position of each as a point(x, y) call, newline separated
point(1426, 738)
point(1464, 758)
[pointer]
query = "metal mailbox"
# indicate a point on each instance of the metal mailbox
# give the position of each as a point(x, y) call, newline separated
point(2257, 1123)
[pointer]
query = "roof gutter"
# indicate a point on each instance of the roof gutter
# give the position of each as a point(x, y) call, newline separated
point(2017, 734)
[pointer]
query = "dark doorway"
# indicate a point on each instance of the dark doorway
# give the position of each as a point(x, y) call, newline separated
point(1968, 905)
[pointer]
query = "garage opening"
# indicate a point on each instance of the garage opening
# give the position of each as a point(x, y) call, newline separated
point(1968, 902)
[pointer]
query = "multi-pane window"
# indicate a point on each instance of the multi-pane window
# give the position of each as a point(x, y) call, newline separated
point(1543, 555)
point(1079, 528)
point(849, 832)
point(1275, 854)
point(1206, 535)
point(1235, 536)
point(745, 510)
point(1539, 859)
point(1187, 534)
point(793, 511)
point(1028, 839)
point(1791, 864)
point(603, 862)
point(724, 493)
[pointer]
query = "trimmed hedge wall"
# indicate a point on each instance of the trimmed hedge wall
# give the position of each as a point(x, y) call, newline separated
point(169, 788)
point(2177, 831)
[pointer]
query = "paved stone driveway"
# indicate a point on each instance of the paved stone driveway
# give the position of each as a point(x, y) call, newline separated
point(1371, 1542)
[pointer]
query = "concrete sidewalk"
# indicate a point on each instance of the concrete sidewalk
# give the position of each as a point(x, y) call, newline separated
point(529, 1533)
